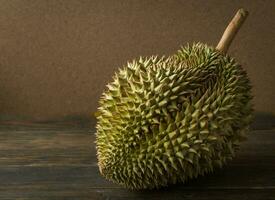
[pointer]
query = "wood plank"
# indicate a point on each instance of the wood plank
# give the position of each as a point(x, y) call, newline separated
point(55, 161)
point(232, 176)
point(60, 146)
point(171, 193)
point(52, 147)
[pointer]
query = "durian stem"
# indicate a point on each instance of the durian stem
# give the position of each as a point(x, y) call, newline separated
point(231, 30)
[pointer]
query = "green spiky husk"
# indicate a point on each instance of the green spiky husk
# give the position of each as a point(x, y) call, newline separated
point(167, 120)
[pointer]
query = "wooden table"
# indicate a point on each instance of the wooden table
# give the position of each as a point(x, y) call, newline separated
point(57, 160)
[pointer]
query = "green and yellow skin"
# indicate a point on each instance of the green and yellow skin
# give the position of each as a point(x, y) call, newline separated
point(164, 120)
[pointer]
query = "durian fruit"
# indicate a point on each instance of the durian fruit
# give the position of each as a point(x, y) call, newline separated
point(164, 120)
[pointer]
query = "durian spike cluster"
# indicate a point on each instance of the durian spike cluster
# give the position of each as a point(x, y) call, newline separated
point(164, 120)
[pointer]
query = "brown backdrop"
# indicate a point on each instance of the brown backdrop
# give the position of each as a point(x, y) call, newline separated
point(57, 56)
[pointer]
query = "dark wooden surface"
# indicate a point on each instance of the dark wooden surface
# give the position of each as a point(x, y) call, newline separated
point(57, 160)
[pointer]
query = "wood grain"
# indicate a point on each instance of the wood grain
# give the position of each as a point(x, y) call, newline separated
point(58, 161)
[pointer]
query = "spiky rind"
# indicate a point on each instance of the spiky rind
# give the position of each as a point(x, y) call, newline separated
point(166, 120)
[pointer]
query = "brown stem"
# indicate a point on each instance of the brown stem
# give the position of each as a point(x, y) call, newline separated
point(231, 30)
